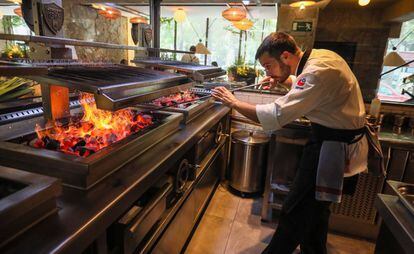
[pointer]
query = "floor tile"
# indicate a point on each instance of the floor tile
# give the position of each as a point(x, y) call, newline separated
point(338, 244)
point(211, 236)
point(223, 204)
point(248, 239)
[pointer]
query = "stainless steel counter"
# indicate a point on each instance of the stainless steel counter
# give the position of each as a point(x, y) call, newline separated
point(84, 216)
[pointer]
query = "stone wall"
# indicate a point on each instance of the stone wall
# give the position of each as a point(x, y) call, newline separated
point(364, 27)
point(84, 23)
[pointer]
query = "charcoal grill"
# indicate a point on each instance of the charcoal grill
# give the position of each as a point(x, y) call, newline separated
point(84, 172)
point(189, 113)
point(197, 72)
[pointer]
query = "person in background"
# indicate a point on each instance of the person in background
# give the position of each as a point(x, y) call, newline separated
point(214, 63)
point(190, 58)
point(124, 61)
point(328, 94)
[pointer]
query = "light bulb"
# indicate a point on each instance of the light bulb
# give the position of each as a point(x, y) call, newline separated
point(302, 7)
point(363, 2)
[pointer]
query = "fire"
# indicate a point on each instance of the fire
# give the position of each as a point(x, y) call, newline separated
point(96, 130)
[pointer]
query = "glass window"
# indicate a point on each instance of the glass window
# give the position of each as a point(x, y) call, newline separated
point(223, 37)
point(397, 85)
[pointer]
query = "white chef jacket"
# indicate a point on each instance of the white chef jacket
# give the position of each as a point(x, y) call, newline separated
point(327, 93)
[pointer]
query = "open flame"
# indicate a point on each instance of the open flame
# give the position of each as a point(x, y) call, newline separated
point(96, 130)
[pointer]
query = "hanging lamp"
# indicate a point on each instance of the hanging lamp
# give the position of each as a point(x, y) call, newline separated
point(180, 15)
point(363, 2)
point(244, 24)
point(18, 11)
point(302, 4)
point(138, 20)
point(234, 14)
point(110, 13)
point(201, 49)
point(393, 59)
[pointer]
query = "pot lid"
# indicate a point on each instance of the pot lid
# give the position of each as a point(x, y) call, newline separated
point(250, 137)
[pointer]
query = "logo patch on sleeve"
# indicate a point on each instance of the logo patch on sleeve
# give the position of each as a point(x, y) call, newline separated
point(300, 83)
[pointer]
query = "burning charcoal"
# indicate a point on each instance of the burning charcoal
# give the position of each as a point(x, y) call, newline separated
point(80, 143)
point(134, 128)
point(38, 143)
point(51, 144)
point(83, 151)
point(112, 138)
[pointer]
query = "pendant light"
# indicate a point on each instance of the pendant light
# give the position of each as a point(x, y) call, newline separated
point(110, 13)
point(138, 20)
point(201, 49)
point(244, 24)
point(18, 11)
point(363, 2)
point(393, 59)
point(180, 15)
point(234, 14)
point(302, 4)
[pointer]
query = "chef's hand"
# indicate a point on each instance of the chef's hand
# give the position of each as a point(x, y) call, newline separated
point(272, 83)
point(225, 96)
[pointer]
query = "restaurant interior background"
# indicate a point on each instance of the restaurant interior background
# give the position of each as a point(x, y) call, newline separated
point(373, 36)
point(363, 33)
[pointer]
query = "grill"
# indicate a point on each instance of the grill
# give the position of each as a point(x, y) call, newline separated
point(197, 72)
point(115, 86)
point(84, 172)
point(191, 111)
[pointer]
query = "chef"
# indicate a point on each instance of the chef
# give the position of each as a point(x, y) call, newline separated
point(328, 94)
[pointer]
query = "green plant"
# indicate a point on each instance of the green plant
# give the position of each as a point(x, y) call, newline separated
point(13, 51)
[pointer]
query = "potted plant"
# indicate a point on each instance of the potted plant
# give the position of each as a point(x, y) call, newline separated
point(243, 72)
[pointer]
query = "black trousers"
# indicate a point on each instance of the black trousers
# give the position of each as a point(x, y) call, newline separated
point(304, 220)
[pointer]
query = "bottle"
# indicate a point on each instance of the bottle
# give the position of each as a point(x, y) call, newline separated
point(374, 109)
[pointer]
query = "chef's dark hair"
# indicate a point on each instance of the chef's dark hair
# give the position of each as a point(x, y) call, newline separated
point(275, 44)
point(193, 48)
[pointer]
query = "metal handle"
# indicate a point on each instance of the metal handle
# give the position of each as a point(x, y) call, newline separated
point(147, 209)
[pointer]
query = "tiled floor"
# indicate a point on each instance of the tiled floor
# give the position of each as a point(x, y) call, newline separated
point(232, 225)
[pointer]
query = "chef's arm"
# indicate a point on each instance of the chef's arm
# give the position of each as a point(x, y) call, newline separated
point(228, 99)
point(246, 109)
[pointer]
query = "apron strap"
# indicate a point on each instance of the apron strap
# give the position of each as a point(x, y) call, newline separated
point(303, 61)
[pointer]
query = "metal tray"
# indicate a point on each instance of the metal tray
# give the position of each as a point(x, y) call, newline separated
point(405, 192)
point(26, 199)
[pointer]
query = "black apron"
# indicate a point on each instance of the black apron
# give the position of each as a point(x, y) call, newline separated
point(305, 178)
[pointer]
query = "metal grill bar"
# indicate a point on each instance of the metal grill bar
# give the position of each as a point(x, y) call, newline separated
point(198, 72)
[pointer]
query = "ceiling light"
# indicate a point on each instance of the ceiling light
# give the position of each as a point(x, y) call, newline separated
point(302, 4)
point(363, 2)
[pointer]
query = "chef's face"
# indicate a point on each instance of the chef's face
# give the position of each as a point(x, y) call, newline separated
point(275, 68)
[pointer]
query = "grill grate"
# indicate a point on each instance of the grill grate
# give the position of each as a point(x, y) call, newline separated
point(28, 113)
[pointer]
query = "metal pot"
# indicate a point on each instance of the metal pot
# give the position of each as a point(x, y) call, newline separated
point(248, 161)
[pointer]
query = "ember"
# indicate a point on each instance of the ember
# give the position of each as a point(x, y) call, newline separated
point(96, 130)
point(172, 99)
